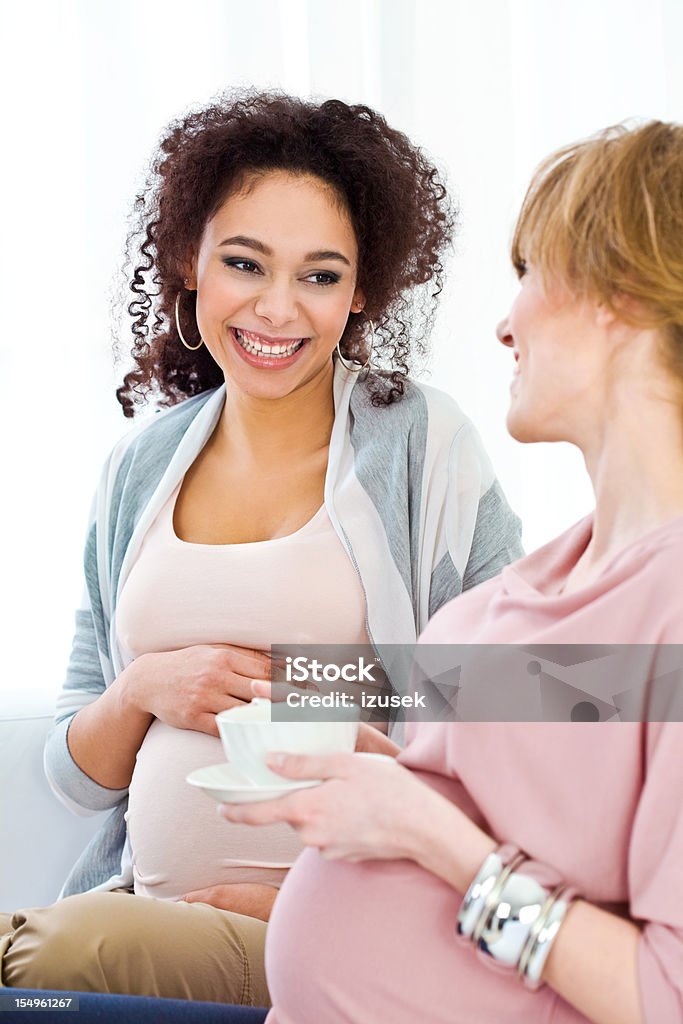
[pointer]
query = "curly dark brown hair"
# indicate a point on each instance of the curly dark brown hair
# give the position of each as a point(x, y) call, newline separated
point(398, 205)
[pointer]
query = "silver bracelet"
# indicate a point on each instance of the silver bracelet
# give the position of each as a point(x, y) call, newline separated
point(511, 918)
point(493, 898)
point(481, 886)
point(506, 931)
point(542, 936)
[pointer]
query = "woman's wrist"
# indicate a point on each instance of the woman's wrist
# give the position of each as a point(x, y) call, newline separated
point(450, 845)
point(130, 690)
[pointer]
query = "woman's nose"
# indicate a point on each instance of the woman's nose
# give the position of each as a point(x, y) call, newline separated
point(276, 304)
point(503, 333)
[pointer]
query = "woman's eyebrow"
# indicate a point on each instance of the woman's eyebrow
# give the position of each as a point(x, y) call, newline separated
point(326, 254)
point(248, 243)
point(311, 257)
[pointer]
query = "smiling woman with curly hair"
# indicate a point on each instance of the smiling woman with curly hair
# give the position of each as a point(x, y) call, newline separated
point(393, 197)
point(297, 488)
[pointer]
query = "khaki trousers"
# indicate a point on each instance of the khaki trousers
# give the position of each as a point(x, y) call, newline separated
point(134, 945)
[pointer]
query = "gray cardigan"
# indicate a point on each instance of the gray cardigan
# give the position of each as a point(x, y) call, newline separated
point(409, 490)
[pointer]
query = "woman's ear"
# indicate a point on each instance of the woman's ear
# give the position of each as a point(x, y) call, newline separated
point(189, 270)
point(622, 309)
point(358, 301)
point(605, 316)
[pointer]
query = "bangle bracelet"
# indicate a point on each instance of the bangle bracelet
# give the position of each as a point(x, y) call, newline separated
point(542, 936)
point(506, 933)
point(492, 898)
point(485, 879)
point(510, 917)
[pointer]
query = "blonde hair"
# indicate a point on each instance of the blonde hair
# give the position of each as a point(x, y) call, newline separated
point(605, 217)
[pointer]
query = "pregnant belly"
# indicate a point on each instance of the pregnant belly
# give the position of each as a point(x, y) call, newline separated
point(362, 943)
point(178, 842)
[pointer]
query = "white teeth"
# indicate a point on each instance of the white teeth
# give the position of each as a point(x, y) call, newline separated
point(251, 343)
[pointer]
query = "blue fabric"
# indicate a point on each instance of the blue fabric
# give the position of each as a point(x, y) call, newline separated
point(93, 1006)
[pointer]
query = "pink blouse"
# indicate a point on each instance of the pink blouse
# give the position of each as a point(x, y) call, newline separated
point(602, 803)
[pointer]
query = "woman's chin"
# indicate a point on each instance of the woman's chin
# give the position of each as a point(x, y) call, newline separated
point(522, 428)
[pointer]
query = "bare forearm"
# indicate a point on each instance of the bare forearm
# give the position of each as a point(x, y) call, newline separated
point(105, 736)
point(435, 849)
point(593, 965)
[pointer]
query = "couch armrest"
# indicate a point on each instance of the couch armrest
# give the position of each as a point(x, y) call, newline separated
point(41, 840)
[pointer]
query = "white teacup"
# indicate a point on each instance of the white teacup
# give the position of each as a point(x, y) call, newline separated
point(249, 734)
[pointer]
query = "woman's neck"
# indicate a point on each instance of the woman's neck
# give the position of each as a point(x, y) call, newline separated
point(277, 429)
point(636, 468)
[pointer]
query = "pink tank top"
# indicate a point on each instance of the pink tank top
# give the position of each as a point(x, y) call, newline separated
point(301, 588)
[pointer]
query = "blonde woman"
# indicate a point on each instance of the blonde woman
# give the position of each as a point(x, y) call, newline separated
point(564, 840)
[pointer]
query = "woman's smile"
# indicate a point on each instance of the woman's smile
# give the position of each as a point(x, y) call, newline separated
point(263, 351)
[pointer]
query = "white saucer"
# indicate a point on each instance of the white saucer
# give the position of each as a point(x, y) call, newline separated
point(225, 784)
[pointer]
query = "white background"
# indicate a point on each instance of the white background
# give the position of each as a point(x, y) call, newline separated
point(488, 87)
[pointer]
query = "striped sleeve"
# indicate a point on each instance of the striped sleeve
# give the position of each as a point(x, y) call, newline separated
point(482, 533)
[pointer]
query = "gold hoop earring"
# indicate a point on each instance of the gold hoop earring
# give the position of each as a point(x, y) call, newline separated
point(192, 348)
point(352, 365)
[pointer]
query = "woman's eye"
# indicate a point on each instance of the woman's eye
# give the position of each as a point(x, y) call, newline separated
point(323, 277)
point(245, 266)
point(521, 268)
